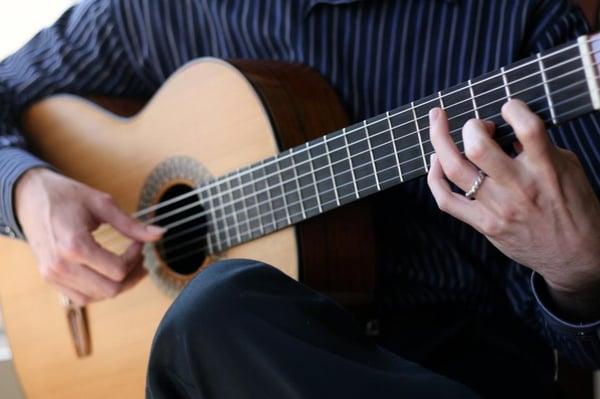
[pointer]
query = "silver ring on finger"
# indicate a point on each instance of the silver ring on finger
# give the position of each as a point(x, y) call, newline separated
point(476, 185)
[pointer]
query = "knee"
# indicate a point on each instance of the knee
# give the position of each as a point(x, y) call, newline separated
point(213, 298)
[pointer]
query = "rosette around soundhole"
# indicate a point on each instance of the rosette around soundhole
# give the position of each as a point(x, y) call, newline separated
point(172, 197)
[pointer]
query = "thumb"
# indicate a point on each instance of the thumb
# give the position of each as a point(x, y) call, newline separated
point(107, 211)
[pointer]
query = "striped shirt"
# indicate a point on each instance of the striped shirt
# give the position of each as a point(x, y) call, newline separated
point(377, 54)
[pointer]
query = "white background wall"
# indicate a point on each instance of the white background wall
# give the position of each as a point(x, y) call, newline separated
point(21, 19)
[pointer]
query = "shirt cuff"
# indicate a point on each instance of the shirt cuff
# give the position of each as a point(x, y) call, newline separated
point(540, 292)
point(14, 162)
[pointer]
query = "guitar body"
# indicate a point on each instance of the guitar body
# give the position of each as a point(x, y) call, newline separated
point(223, 116)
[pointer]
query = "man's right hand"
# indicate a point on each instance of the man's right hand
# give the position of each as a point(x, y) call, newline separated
point(58, 216)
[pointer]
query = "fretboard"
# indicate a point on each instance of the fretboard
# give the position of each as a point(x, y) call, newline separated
point(388, 149)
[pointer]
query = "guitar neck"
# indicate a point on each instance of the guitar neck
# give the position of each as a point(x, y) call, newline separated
point(391, 148)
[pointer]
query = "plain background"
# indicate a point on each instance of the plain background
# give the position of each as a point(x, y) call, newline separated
point(19, 21)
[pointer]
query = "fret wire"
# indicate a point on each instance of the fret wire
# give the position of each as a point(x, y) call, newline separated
point(516, 68)
point(501, 138)
point(297, 183)
point(350, 162)
point(546, 88)
point(270, 201)
point(237, 223)
point(454, 131)
point(212, 244)
point(371, 155)
point(256, 206)
point(394, 146)
point(260, 222)
point(441, 98)
point(216, 242)
point(314, 177)
point(225, 229)
point(222, 209)
point(473, 100)
point(283, 194)
point(505, 81)
point(330, 164)
point(244, 207)
point(412, 105)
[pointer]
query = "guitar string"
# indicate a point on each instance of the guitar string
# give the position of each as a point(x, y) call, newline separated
point(203, 249)
point(348, 159)
point(249, 170)
point(276, 222)
point(329, 179)
point(370, 137)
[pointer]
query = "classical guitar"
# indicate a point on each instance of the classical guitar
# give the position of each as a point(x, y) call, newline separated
point(203, 159)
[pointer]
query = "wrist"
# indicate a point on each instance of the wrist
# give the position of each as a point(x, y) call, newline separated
point(25, 186)
point(579, 302)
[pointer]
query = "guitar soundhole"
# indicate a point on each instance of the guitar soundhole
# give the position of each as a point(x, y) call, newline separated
point(183, 247)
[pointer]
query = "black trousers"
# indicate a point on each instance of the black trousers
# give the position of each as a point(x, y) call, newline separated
point(243, 329)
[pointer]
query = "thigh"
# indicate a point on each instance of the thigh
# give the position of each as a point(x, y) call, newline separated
point(242, 329)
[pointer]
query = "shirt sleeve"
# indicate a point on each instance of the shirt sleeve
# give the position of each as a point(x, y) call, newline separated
point(81, 53)
point(556, 22)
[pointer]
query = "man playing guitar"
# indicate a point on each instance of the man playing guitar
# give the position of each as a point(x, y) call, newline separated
point(517, 274)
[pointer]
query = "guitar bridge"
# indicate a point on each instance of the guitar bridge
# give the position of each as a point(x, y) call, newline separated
point(79, 327)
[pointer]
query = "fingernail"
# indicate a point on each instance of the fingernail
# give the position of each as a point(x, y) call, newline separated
point(432, 159)
point(155, 229)
point(434, 114)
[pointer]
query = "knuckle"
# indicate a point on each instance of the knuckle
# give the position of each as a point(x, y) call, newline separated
point(570, 156)
point(443, 202)
point(454, 170)
point(129, 225)
point(120, 274)
point(430, 180)
point(111, 291)
point(105, 199)
point(475, 149)
point(492, 227)
point(53, 270)
point(59, 269)
point(73, 246)
point(472, 124)
point(508, 214)
point(529, 190)
point(532, 127)
point(47, 273)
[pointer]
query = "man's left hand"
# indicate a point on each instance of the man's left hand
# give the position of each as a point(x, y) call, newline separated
point(537, 208)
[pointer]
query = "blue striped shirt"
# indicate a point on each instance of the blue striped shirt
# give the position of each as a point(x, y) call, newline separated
point(378, 55)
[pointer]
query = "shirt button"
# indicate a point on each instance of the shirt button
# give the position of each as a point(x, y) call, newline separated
point(8, 231)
